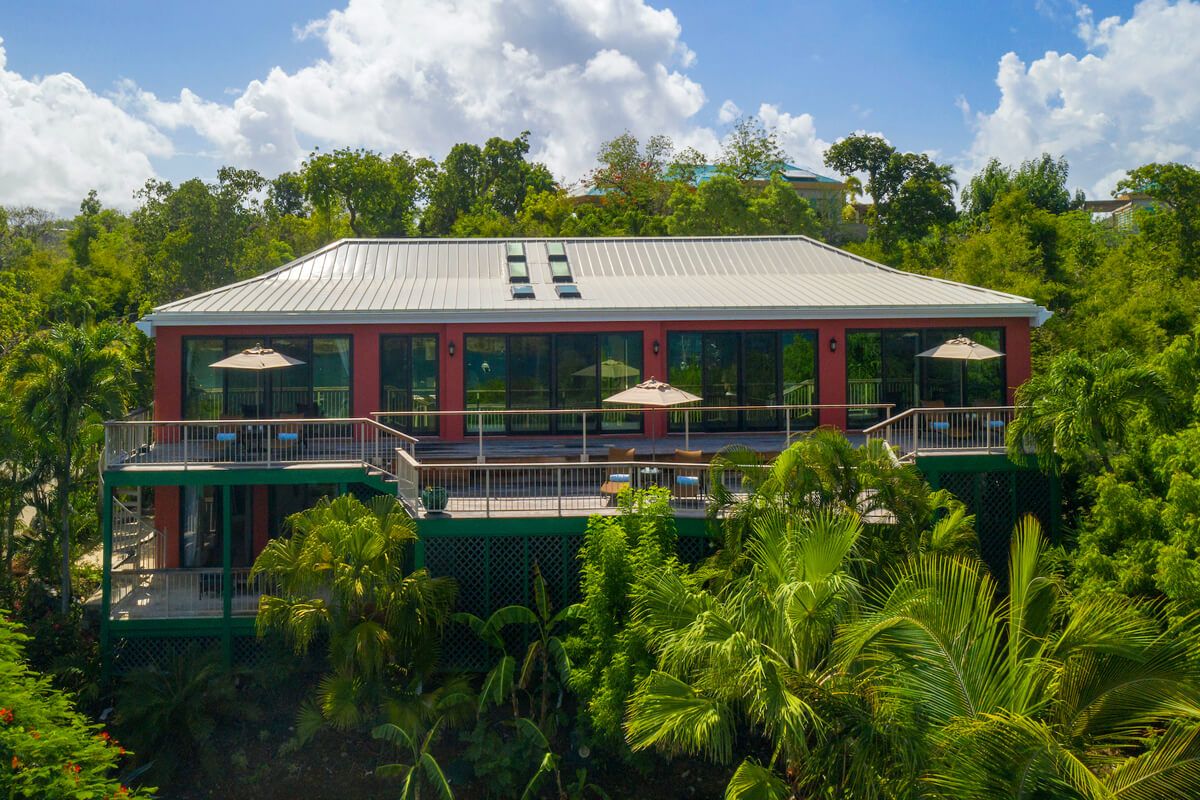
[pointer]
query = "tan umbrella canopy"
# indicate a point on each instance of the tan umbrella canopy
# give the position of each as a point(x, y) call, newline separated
point(961, 349)
point(659, 395)
point(609, 368)
point(258, 359)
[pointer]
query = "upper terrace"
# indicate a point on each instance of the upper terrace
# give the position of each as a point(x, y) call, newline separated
point(521, 475)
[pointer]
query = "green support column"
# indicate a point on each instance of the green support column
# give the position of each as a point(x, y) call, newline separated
point(106, 517)
point(227, 572)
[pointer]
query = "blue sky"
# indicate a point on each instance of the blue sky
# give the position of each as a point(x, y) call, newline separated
point(132, 89)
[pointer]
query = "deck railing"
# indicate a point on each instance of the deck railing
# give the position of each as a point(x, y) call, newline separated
point(688, 421)
point(927, 431)
point(183, 593)
point(251, 442)
point(565, 488)
point(136, 543)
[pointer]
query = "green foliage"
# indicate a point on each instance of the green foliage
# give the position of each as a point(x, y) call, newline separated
point(1177, 186)
point(725, 206)
point(911, 193)
point(378, 194)
point(172, 715)
point(423, 769)
point(751, 152)
point(610, 651)
point(341, 577)
point(47, 748)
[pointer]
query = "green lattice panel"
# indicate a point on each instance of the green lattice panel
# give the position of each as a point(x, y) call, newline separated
point(574, 568)
point(143, 652)
point(962, 486)
point(548, 554)
point(994, 522)
point(1033, 497)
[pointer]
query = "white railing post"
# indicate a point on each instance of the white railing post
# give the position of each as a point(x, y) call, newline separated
point(558, 474)
point(583, 457)
point(787, 427)
point(479, 458)
point(185, 444)
point(915, 431)
point(487, 493)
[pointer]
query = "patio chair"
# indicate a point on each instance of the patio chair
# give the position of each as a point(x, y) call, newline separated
point(687, 481)
point(228, 438)
point(938, 425)
point(289, 438)
point(616, 480)
point(992, 427)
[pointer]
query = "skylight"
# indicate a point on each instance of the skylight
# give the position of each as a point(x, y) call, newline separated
point(523, 291)
point(567, 290)
point(518, 268)
point(560, 267)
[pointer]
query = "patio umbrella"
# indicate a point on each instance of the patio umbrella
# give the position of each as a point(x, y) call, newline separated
point(659, 395)
point(609, 368)
point(961, 349)
point(259, 359)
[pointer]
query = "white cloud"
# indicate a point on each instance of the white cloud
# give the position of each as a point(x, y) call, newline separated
point(1132, 98)
point(416, 75)
point(422, 74)
point(797, 135)
point(728, 113)
point(58, 140)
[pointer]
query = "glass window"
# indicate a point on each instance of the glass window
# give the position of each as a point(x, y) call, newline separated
point(529, 382)
point(408, 377)
point(985, 380)
point(798, 378)
point(578, 378)
point(202, 528)
point(486, 367)
point(720, 385)
point(203, 388)
point(761, 378)
point(331, 376)
point(620, 369)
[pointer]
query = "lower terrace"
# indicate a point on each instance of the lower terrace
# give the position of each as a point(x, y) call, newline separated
point(486, 477)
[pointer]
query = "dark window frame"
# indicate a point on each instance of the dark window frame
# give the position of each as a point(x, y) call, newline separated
point(556, 424)
point(266, 342)
point(407, 426)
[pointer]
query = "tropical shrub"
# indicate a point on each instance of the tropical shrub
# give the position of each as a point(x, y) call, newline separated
point(1033, 695)
point(341, 577)
point(609, 651)
point(172, 715)
point(47, 748)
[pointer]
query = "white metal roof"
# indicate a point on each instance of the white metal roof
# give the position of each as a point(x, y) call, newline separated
point(466, 280)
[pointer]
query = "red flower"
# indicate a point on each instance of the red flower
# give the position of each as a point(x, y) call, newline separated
point(6, 715)
point(16, 763)
point(104, 735)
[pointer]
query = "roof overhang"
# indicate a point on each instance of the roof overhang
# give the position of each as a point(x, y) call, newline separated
point(1034, 313)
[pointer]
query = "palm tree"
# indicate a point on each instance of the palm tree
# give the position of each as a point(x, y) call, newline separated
point(824, 471)
point(1038, 694)
point(1081, 410)
point(67, 380)
point(341, 574)
point(753, 652)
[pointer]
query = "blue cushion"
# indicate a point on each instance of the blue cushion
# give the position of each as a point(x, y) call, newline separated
point(289, 437)
point(620, 477)
point(687, 480)
point(940, 426)
point(226, 436)
point(995, 423)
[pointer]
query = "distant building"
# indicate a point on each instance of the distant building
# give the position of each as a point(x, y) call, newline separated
point(825, 194)
point(1118, 211)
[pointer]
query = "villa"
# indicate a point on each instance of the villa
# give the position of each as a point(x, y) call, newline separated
point(469, 379)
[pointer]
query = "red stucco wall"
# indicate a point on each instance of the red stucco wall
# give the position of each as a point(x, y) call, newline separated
point(831, 366)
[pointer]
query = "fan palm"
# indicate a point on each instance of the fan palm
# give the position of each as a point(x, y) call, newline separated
point(825, 471)
point(67, 380)
point(1033, 695)
point(341, 574)
point(1081, 410)
point(753, 651)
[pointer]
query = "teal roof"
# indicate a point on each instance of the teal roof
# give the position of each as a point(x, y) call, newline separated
point(790, 173)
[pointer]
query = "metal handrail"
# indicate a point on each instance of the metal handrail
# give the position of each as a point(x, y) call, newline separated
point(470, 412)
point(942, 429)
point(268, 421)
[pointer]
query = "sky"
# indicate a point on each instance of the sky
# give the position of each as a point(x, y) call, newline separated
point(108, 95)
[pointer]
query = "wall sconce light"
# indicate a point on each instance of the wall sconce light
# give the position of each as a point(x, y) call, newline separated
point(451, 348)
point(656, 346)
point(833, 344)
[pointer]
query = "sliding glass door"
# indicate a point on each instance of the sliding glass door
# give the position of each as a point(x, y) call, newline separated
point(408, 378)
point(759, 368)
point(551, 371)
